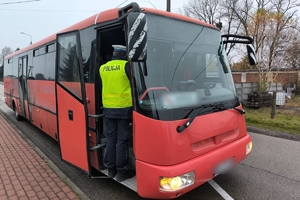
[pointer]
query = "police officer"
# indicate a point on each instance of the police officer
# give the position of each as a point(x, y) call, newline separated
point(117, 103)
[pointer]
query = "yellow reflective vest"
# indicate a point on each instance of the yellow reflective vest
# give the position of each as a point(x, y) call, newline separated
point(116, 90)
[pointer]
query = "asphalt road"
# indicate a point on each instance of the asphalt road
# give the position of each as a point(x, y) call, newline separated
point(271, 171)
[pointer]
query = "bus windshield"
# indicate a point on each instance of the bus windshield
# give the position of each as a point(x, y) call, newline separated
point(186, 67)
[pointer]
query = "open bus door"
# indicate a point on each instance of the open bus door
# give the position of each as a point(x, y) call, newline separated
point(71, 105)
point(22, 74)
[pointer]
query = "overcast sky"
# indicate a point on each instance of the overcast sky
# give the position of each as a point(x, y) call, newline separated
point(45, 17)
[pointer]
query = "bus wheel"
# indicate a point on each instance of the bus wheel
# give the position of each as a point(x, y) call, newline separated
point(17, 116)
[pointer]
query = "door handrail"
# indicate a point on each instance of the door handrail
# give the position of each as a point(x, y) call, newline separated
point(96, 116)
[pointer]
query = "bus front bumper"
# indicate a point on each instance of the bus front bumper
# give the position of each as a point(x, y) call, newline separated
point(203, 168)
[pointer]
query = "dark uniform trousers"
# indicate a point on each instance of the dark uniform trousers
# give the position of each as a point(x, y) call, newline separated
point(119, 134)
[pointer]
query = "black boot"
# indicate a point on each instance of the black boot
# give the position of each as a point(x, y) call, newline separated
point(112, 173)
point(123, 176)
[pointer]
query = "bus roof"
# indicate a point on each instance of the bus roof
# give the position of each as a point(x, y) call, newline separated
point(102, 17)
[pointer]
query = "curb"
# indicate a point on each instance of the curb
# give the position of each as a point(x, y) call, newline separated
point(56, 170)
point(272, 133)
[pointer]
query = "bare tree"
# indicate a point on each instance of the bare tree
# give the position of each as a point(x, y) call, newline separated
point(272, 26)
point(290, 56)
point(283, 26)
point(205, 10)
point(271, 23)
point(4, 52)
point(214, 12)
point(234, 18)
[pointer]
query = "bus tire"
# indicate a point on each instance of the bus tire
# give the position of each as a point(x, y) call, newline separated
point(17, 116)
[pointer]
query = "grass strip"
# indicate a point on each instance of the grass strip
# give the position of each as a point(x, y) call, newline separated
point(287, 121)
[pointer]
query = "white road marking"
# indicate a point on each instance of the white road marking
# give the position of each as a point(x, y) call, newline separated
point(220, 190)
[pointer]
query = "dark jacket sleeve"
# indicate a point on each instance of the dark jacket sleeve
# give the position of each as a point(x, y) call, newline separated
point(127, 70)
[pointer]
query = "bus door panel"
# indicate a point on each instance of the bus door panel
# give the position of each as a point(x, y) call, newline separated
point(71, 102)
point(22, 74)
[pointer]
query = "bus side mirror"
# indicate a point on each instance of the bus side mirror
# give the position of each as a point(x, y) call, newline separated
point(137, 37)
point(251, 54)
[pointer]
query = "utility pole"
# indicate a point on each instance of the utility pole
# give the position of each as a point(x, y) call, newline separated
point(169, 5)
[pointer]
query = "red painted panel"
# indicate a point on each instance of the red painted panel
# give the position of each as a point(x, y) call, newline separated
point(90, 95)
point(94, 159)
point(158, 142)
point(72, 133)
point(42, 94)
point(17, 104)
point(26, 109)
point(147, 175)
point(39, 118)
point(11, 86)
point(52, 125)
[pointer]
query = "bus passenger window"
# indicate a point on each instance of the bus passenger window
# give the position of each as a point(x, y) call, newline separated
point(36, 52)
point(50, 48)
point(42, 50)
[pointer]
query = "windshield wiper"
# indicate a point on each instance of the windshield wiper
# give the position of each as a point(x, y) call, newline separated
point(239, 110)
point(237, 103)
point(215, 107)
point(181, 128)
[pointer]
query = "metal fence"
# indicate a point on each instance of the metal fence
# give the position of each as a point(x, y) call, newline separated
point(243, 89)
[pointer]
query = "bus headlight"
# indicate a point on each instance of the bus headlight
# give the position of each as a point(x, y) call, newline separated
point(177, 183)
point(248, 148)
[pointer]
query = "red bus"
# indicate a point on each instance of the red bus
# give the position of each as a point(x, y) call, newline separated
point(188, 123)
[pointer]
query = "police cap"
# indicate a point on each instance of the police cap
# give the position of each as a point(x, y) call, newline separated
point(119, 48)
